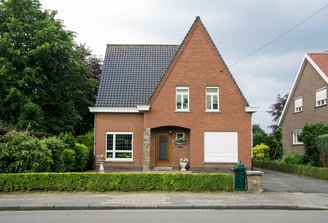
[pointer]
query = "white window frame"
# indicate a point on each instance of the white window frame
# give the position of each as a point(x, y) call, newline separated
point(298, 104)
point(295, 135)
point(114, 150)
point(209, 100)
point(220, 147)
point(321, 97)
point(182, 93)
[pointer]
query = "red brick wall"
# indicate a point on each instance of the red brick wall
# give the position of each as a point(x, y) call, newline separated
point(199, 66)
point(120, 123)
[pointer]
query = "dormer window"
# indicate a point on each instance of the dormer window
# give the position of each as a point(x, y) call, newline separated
point(298, 104)
point(321, 97)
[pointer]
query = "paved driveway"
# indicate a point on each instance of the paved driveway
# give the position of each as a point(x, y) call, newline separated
point(281, 182)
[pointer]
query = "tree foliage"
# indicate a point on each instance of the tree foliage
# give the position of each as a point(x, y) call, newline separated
point(261, 152)
point(274, 143)
point(308, 136)
point(276, 109)
point(20, 152)
point(43, 74)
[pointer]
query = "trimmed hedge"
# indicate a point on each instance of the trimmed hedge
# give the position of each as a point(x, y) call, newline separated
point(309, 171)
point(101, 182)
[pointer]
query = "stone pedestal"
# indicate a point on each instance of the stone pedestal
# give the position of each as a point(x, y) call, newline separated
point(254, 181)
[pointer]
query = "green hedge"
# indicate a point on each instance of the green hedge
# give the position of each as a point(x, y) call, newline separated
point(101, 182)
point(309, 171)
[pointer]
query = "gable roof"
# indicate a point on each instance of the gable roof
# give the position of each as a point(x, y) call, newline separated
point(131, 73)
point(319, 61)
point(197, 23)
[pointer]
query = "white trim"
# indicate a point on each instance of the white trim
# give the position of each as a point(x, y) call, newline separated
point(138, 109)
point(252, 109)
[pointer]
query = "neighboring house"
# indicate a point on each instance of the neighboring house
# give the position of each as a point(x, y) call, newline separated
point(307, 100)
point(159, 103)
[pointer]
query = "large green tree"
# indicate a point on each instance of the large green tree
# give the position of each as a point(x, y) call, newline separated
point(42, 75)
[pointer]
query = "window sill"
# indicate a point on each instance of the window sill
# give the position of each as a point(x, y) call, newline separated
point(320, 106)
point(212, 111)
point(178, 111)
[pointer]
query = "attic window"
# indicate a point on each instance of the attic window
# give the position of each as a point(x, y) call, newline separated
point(182, 99)
point(212, 99)
point(321, 97)
point(298, 105)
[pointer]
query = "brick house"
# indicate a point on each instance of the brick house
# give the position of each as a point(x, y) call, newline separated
point(159, 103)
point(307, 100)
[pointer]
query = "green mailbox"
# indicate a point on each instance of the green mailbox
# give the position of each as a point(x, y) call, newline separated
point(239, 176)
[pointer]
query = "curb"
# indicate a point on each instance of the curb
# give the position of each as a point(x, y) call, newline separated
point(154, 207)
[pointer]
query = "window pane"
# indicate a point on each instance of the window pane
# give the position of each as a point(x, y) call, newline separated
point(215, 102)
point(123, 142)
point(208, 102)
point(183, 90)
point(185, 101)
point(109, 155)
point(179, 100)
point(211, 90)
point(123, 155)
point(109, 142)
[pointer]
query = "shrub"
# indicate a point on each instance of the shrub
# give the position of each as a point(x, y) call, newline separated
point(87, 140)
point(292, 158)
point(69, 160)
point(309, 171)
point(56, 146)
point(81, 157)
point(261, 152)
point(194, 182)
point(308, 136)
point(21, 152)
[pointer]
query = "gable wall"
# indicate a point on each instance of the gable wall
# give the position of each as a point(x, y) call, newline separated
point(200, 66)
point(308, 83)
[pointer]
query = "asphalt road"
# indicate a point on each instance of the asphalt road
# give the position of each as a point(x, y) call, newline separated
point(172, 216)
point(281, 182)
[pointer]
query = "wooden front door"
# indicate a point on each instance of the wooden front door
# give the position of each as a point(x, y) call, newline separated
point(163, 150)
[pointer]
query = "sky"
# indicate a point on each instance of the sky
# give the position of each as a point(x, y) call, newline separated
point(287, 28)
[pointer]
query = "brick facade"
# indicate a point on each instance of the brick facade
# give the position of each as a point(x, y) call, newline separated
point(197, 65)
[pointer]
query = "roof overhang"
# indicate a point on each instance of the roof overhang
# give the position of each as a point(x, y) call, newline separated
point(252, 109)
point(137, 109)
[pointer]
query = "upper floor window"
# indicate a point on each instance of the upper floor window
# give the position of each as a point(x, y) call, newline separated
point(321, 97)
point(182, 99)
point(212, 99)
point(119, 146)
point(296, 141)
point(298, 105)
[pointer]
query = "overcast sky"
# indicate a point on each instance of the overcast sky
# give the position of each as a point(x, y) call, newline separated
point(237, 27)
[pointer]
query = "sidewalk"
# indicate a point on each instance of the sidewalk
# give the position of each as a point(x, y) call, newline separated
point(163, 200)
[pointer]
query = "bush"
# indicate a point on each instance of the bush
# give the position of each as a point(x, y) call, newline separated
point(81, 157)
point(69, 160)
point(261, 152)
point(21, 152)
point(308, 136)
point(309, 171)
point(194, 182)
point(56, 146)
point(87, 140)
point(292, 158)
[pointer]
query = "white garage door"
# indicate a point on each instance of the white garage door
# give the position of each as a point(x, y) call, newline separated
point(221, 147)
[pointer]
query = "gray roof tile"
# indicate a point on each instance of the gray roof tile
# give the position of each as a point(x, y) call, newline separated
point(131, 73)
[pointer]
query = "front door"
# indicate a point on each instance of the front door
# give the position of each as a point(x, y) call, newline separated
point(163, 150)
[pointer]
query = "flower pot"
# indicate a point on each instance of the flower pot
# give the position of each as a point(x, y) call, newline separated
point(183, 164)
